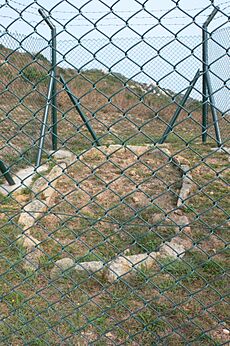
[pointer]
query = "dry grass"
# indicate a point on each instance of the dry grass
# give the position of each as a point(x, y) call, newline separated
point(111, 200)
point(116, 207)
point(177, 302)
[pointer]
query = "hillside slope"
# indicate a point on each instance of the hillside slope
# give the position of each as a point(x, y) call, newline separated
point(120, 110)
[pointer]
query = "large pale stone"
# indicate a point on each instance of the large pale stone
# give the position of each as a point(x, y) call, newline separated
point(32, 211)
point(183, 195)
point(143, 260)
point(187, 186)
point(53, 178)
point(33, 253)
point(61, 266)
point(39, 185)
point(23, 179)
point(174, 249)
point(90, 267)
point(180, 160)
point(125, 265)
point(122, 266)
point(31, 260)
point(63, 156)
point(182, 220)
point(118, 268)
point(28, 242)
point(45, 186)
point(226, 331)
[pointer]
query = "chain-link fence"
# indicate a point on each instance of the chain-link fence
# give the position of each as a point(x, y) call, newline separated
point(114, 173)
point(220, 72)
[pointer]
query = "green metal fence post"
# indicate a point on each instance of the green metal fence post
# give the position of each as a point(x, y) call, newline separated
point(204, 87)
point(213, 109)
point(44, 121)
point(54, 69)
point(114, 239)
point(179, 108)
point(6, 174)
point(79, 110)
point(205, 36)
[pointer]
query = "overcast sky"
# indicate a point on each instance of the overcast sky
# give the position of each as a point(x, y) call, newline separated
point(137, 30)
point(110, 17)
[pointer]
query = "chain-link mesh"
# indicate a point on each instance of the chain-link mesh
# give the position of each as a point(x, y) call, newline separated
point(120, 236)
point(24, 80)
point(220, 69)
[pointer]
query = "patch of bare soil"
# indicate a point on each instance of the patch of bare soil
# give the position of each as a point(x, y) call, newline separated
point(112, 199)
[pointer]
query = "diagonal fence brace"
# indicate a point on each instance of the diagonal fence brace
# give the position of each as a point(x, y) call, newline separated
point(179, 108)
point(6, 174)
point(79, 110)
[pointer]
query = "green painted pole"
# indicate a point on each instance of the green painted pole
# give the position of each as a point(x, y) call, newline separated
point(54, 69)
point(205, 37)
point(79, 110)
point(179, 108)
point(44, 121)
point(213, 110)
point(54, 98)
point(204, 85)
point(6, 174)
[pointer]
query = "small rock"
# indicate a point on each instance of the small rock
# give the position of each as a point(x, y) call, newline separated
point(39, 185)
point(34, 207)
point(118, 268)
point(63, 155)
point(178, 212)
point(173, 249)
point(31, 212)
point(42, 169)
point(135, 199)
point(132, 173)
point(28, 242)
point(91, 267)
point(181, 160)
point(21, 198)
point(64, 263)
point(46, 185)
point(26, 221)
point(61, 266)
point(109, 335)
point(123, 266)
point(184, 192)
point(226, 331)
point(143, 260)
point(183, 220)
point(31, 260)
point(187, 229)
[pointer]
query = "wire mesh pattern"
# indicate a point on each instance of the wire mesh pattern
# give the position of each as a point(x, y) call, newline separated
point(114, 172)
point(218, 56)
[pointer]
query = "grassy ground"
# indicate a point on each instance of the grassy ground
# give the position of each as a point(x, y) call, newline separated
point(110, 201)
point(177, 302)
point(120, 111)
